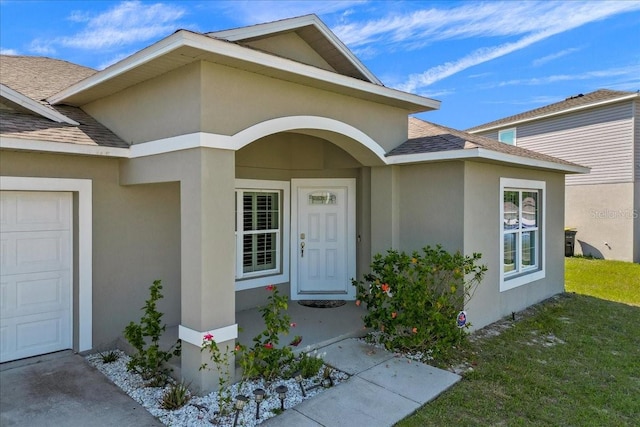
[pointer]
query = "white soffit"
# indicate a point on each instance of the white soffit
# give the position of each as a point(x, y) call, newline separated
point(34, 106)
point(184, 47)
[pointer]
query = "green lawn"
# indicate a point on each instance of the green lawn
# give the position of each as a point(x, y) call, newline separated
point(571, 361)
point(610, 280)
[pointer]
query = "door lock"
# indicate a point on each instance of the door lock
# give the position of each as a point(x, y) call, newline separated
point(301, 249)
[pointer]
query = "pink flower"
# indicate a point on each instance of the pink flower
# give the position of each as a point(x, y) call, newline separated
point(292, 324)
point(237, 347)
point(268, 345)
point(358, 303)
point(414, 330)
point(208, 337)
point(394, 315)
point(271, 288)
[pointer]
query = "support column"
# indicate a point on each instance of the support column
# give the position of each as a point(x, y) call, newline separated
point(385, 218)
point(207, 207)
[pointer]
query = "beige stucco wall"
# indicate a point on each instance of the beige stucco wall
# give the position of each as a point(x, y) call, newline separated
point(603, 215)
point(136, 238)
point(482, 233)
point(432, 205)
point(290, 45)
point(212, 98)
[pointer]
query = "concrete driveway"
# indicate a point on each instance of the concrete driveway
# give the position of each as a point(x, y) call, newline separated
point(62, 389)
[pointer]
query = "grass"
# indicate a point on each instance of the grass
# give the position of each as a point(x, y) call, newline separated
point(611, 280)
point(571, 361)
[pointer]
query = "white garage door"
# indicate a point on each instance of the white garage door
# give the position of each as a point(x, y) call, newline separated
point(35, 277)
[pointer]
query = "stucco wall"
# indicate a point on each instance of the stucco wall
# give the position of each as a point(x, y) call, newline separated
point(482, 233)
point(222, 100)
point(290, 45)
point(431, 206)
point(603, 215)
point(136, 238)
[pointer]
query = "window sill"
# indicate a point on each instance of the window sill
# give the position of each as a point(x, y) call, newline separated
point(257, 282)
point(514, 282)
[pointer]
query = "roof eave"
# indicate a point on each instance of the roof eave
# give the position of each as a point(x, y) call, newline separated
point(555, 113)
point(292, 24)
point(36, 145)
point(182, 38)
point(484, 154)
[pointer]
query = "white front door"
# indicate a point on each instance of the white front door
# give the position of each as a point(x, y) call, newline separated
point(36, 272)
point(323, 239)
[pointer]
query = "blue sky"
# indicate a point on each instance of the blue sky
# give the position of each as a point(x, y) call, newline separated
point(483, 60)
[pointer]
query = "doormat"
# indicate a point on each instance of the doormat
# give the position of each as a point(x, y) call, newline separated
point(322, 303)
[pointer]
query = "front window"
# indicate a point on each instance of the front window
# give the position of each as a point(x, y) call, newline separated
point(508, 136)
point(522, 222)
point(260, 233)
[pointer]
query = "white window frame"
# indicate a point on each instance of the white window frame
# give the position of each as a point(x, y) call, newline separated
point(505, 131)
point(514, 279)
point(281, 273)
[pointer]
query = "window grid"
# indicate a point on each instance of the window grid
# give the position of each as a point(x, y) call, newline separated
point(521, 228)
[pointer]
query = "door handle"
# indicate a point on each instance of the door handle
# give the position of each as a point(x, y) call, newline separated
point(301, 249)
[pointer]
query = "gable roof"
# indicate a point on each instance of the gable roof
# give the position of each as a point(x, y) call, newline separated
point(431, 142)
point(24, 82)
point(315, 33)
point(573, 103)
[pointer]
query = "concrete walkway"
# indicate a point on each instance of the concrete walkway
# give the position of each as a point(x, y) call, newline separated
point(383, 389)
point(62, 389)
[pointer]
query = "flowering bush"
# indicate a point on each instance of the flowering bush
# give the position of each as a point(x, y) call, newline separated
point(265, 359)
point(412, 300)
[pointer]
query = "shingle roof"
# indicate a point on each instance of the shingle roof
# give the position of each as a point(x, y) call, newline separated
point(558, 107)
point(39, 78)
point(426, 137)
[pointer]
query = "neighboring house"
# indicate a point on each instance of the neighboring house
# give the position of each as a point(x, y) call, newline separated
point(209, 160)
point(600, 130)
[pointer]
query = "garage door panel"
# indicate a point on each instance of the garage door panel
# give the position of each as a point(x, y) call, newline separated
point(35, 286)
point(25, 252)
point(35, 211)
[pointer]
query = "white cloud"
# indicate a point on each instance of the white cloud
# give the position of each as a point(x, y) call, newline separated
point(42, 47)
point(540, 61)
point(531, 21)
point(4, 51)
point(257, 12)
point(629, 72)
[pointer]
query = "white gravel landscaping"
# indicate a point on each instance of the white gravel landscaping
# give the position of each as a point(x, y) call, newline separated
point(203, 411)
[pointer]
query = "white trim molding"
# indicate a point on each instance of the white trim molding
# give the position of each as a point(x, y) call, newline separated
point(196, 338)
point(34, 106)
point(85, 244)
point(507, 283)
point(62, 147)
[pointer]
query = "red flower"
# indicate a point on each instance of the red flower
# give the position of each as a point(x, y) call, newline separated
point(271, 288)
point(208, 337)
point(268, 345)
point(237, 347)
point(358, 303)
point(292, 324)
point(414, 330)
point(385, 287)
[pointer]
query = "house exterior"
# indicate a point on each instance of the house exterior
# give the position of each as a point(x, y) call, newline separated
point(601, 130)
point(224, 162)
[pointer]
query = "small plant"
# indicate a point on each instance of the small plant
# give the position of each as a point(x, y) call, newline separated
point(413, 300)
point(149, 360)
point(265, 359)
point(176, 396)
point(221, 360)
point(109, 357)
point(308, 364)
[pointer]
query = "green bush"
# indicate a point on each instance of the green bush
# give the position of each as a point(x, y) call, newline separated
point(149, 360)
point(265, 359)
point(413, 300)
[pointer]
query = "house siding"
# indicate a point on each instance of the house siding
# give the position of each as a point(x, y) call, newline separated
point(579, 137)
point(636, 149)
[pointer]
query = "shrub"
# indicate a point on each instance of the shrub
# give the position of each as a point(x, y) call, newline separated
point(308, 364)
point(413, 300)
point(265, 359)
point(149, 360)
point(109, 357)
point(176, 396)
